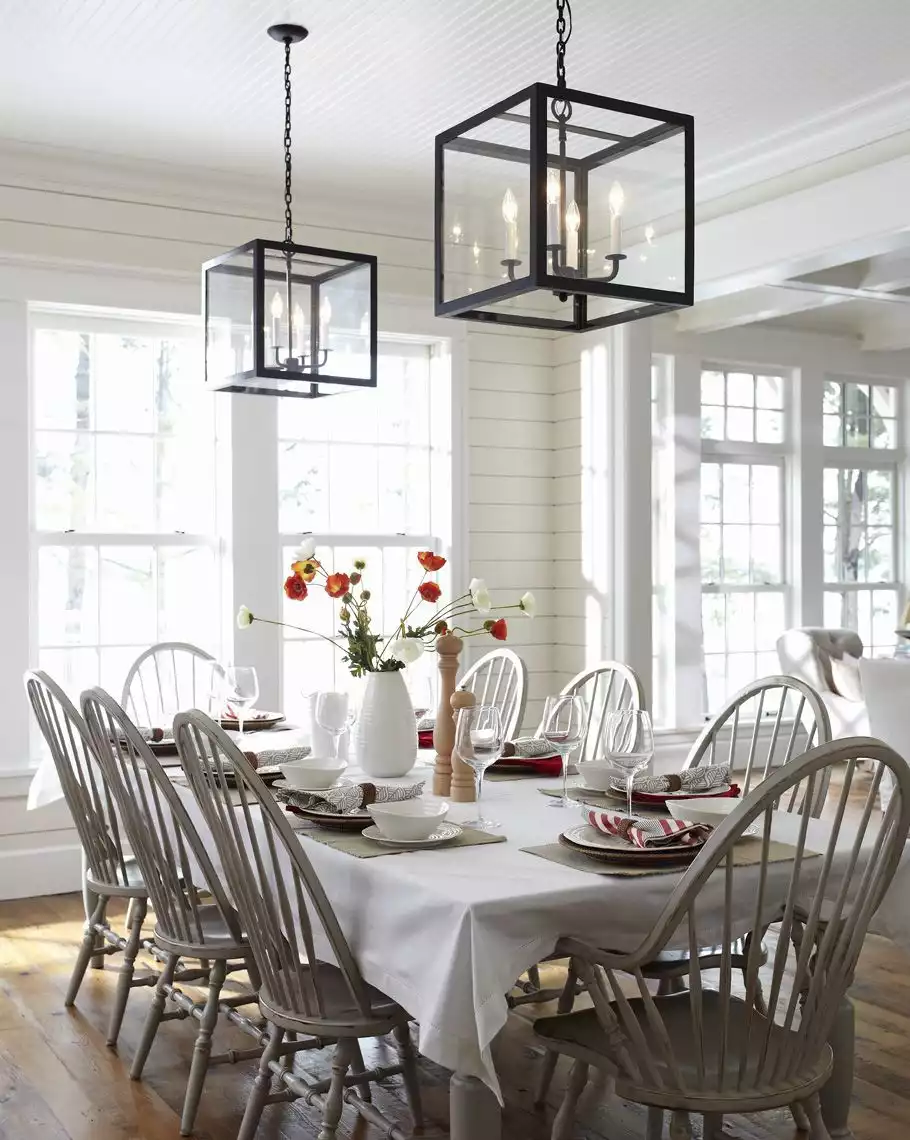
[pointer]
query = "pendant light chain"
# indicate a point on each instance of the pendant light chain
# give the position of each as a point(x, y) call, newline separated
point(288, 220)
point(561, 107)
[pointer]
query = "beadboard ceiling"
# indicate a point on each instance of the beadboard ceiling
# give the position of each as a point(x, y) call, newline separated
point(197, 83)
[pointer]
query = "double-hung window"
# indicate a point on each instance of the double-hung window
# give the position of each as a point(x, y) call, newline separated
point(862, 457)
point(124, 546)
point(742, 527)
point(369, 475)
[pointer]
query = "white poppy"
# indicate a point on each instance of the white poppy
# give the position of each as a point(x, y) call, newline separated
point(528, 604)
point(480, 596)
point(244, 617)
point(406, 649)
point(305, 550)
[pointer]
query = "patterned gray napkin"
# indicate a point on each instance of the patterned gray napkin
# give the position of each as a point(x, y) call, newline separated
point(697, 779)
point(272, 757)
point(349, 797)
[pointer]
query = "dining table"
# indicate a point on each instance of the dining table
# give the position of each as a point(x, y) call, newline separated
point(446, 932)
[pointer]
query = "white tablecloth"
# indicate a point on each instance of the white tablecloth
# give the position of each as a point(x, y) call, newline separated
point(446, 932)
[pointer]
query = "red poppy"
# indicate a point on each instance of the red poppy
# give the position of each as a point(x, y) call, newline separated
point(429, 591)
point(430, 561)
point(337, 585)
point(295, 588)
point(499, 629)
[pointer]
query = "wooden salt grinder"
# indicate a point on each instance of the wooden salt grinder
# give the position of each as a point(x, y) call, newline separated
point(448, 648)
point(464, 790)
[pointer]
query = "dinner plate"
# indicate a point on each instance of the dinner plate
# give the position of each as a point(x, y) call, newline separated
point(611, 849)
point(255, 723)
point(444, 833)
point(166, 747)
point(337, 821)
point(270, 775)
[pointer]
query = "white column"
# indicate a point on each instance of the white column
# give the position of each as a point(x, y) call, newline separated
point(805, 562)
point(689, 689)
point(254, 548)
point(630, 379)
point(15, 475)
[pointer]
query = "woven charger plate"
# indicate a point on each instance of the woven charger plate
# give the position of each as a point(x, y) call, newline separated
point(612, 849)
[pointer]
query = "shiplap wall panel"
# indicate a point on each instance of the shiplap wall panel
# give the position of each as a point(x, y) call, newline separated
point(532, 462)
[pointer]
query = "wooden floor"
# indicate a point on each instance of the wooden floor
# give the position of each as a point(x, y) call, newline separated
point(59, 1081)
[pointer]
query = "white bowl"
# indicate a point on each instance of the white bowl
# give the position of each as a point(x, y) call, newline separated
point(408, 819)
point(311, 773)
point(704, 809)
point(597, 774)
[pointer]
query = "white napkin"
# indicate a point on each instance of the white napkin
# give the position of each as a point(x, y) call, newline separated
point(701, 778)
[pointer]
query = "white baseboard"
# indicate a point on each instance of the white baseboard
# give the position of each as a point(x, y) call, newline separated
point(28, 872)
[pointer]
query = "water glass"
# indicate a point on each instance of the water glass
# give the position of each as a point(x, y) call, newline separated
point(479, 741)
point(241, 690)
point(629, 743)
point(335, 713)
point(564, 729)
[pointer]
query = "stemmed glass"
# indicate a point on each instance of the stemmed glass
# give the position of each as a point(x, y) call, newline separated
point(564, 729)
point(335, 713)
point(479, 741)
point(630, 743)
point(241, 690)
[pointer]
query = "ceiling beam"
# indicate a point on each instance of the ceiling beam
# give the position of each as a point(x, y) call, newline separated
point(763, 303)
point(889, 272)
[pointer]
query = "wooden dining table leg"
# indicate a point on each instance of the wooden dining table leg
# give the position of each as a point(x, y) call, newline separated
point(474, 1111)
point(835, 1096)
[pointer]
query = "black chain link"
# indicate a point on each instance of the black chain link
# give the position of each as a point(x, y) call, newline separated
point(288, 220)
point(561, 107)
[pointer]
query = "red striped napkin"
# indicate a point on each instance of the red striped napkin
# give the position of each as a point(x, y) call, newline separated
point(656, 832)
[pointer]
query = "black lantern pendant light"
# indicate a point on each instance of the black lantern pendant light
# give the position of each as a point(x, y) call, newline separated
point(284, 319)
point(559, 209)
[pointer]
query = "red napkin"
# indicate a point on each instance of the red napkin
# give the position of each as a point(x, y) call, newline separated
point(649, 833)
point(661, 797)
point(533, 765)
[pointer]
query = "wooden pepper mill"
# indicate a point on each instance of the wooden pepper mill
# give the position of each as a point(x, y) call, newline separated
point(448, 648)
point(464, 790)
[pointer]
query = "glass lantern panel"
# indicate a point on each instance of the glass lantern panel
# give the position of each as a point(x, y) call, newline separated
point(486, 204)
point(229, 318)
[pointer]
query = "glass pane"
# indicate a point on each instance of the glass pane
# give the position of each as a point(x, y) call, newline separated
point(766, 554)
point(769, 427)
point(129, 612)
point(880, 494)
point(741, 671)
point(884, 618)
point(712, 423)
point(125, 491)
point(832, 400)
point(712, 388)
point(354, 478)
point(856, 414)
point(123, 376)
point(831, 554)
point(740, 621)
point(64, 480)
point(303, 481)
point(74, 669)
point(740, 424)
point(834, 610)
point(833, 431)
point(710, 492)
point(710, 553)
point(765, 494)
point(736, 553)
point(714, 622)
point(715, 680)
point(769, 392)
point(184, 486)
point(769, 622)
point(188, 594)
point(884, 433)
point(831, 481)
point(736, 492)
point(61, 370)
point(880, 556)
point(67, 595)
point(741, 389)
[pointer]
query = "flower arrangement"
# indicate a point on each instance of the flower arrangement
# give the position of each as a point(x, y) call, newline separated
point(366, 651)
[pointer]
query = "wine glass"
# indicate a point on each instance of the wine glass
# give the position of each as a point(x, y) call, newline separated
point(335, 713)
point(564, 729)
point(241, 690)
point(479, 741)
point(630, 743)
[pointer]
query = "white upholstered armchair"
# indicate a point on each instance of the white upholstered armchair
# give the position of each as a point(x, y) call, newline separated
point(827, 659)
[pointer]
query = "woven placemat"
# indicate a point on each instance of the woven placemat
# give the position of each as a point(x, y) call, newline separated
point(746, 853)
point(353, 843)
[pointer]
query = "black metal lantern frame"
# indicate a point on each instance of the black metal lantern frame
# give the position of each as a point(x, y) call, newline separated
point(285, 319)
point(577, 296)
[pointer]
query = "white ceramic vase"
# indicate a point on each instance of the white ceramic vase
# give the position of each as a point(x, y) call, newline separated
point(386, 728)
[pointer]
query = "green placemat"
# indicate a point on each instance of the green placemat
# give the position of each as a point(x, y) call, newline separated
point(746, 853)
point(353, 843)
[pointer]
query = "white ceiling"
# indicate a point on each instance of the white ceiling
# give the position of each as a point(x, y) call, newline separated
point(198, 83)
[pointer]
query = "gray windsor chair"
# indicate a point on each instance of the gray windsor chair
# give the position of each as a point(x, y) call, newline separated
point(174, 862)
point(109, 872)
point(711, 1051)
point(500, 678)
point(284, 909)
point(606, 687)
point(168, 678)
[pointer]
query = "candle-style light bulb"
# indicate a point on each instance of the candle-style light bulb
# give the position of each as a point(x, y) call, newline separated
point(573, 225)
point(554, 193)
point(277, 310)
point(325, 317)
point(573, 217)
point(616, 200)
point(476, 251)
point(649, 235)
point(510, 217)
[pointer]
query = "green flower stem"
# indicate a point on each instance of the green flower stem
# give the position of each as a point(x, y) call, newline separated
point(299, 628)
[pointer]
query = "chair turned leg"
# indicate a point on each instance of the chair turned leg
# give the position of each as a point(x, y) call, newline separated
point(134, 936)
point(153, 1018)
point(86, 951)
point(90, 902)
point(203, 1048)
point(798, 1112)
point(334, 1100)
point(358, 1066)
point(713, 1126)
point(817, 1128)
point(564, 1123)
point(408, 1058)
point(550, 1058)
point(260, 1090)
point(680, 1126)
point(655, 1126)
